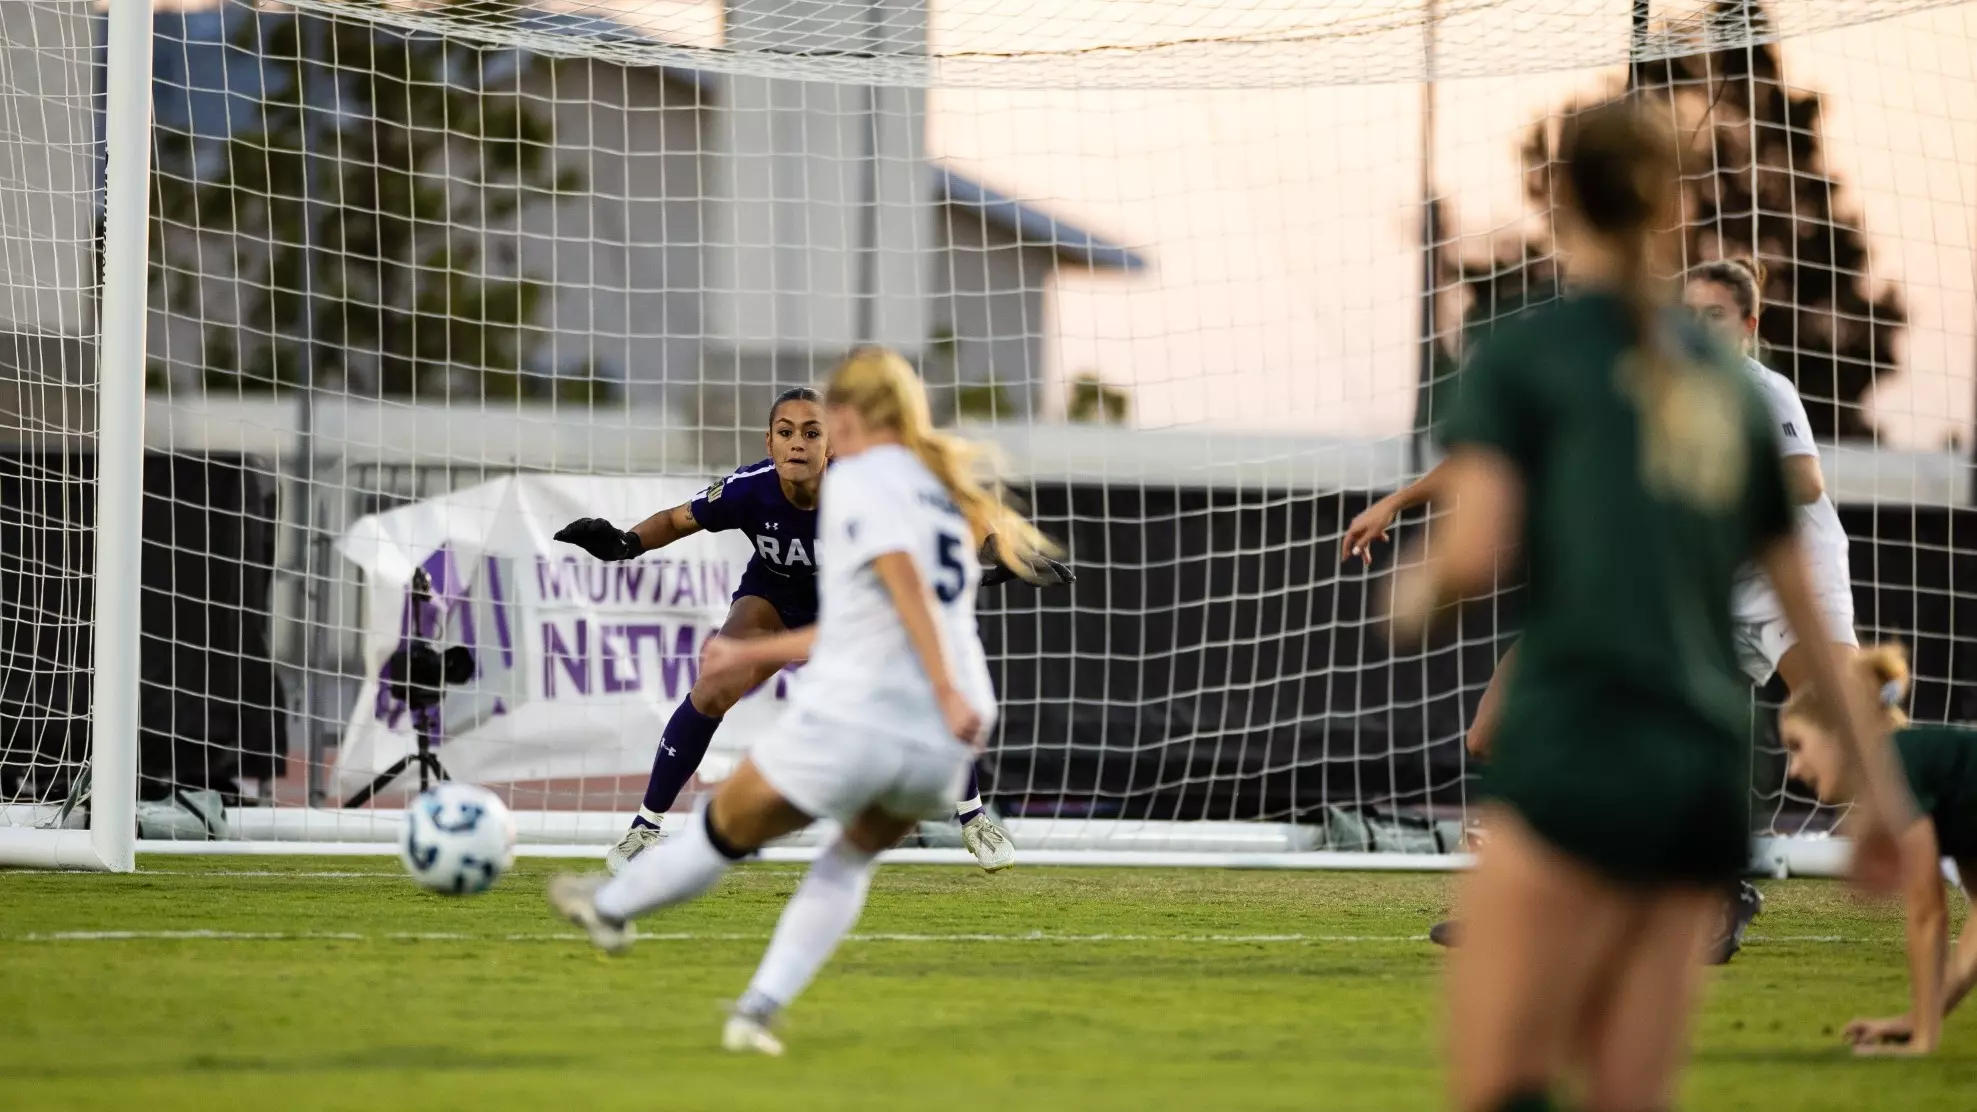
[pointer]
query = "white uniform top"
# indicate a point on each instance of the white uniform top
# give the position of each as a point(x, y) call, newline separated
point(863, 670)
point(1752, 600)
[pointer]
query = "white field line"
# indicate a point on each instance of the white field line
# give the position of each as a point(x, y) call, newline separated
point(218, 872)
point(693, 936)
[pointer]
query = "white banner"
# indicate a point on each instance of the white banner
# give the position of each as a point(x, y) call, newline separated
point(578, 662)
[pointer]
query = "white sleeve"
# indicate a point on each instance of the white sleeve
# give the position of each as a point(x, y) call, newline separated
point(866, 521)
point(1788, 417)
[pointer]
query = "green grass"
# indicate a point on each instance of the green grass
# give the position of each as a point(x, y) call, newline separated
point(345, 1010)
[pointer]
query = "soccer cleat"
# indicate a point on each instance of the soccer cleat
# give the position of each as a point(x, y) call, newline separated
point(636, 841)
point(575, 899)
point(1746, 905)
point(988, 842)
point(744, 1035)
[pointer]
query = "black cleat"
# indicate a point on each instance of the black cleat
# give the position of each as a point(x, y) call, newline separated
point(1747, 904)
point(1444, 932)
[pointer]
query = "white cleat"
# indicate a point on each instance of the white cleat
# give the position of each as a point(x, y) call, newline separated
point(743, 1035)
point(989, 843)
point(575, 899)
point(636, 841)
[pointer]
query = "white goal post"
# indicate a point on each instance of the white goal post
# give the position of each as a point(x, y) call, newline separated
point(321, 316)
point(69, 412)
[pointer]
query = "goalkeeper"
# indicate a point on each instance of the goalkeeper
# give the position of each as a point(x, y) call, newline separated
point(774, 502)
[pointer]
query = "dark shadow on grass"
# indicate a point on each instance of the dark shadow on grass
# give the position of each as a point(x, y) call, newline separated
point(424, 1059)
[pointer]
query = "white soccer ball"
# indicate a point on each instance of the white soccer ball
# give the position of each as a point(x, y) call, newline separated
point(458, 839)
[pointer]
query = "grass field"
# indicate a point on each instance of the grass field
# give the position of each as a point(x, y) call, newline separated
point(335, 984)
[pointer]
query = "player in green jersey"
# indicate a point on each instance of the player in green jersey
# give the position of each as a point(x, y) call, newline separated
point(1609, 443)
point(1940, 764)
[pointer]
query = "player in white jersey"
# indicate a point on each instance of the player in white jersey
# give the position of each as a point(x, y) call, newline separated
point(1725, 296)
point(886, 719)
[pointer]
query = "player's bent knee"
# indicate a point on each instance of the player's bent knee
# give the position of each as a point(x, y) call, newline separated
point(716, 697)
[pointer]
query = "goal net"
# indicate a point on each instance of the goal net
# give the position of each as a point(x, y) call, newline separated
point(427, 280)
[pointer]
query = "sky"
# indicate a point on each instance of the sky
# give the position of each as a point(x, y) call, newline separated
point(1283, 222)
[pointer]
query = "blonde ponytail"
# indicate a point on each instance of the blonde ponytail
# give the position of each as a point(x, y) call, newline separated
point(1880, 671)
point(1620, 166)
point(881, 386)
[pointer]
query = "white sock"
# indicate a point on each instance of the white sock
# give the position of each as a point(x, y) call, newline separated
point(822, 912)
point(972, 803)
point(656, 821)
point(674, 871)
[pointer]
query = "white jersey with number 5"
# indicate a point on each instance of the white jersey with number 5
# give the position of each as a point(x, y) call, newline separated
point(863, 670)
point(1753, 601)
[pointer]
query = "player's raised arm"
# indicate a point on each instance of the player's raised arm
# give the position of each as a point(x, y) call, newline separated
point(606, 541)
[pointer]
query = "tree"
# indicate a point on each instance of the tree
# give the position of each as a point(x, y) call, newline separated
point(373, 245)
point(1755, 186)
point(1093, 402)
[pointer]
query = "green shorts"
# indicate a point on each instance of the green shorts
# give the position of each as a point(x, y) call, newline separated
point(1642, 799)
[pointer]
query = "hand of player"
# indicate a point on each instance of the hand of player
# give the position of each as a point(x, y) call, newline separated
point(963, 721)
point(1893, 1050)
point(1863, 1034)
point(601, 539)
point(1371, 525)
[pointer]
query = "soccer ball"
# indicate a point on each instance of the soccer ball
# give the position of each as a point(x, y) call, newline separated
point(458, 839)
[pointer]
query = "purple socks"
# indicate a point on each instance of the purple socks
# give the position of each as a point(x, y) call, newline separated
point(681, 749)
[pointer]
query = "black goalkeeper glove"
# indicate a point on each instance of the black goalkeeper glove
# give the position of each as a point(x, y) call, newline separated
point(601, 539)
point(1043, 571)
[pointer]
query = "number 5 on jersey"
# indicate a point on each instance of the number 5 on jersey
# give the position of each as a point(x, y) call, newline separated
point(953, 575)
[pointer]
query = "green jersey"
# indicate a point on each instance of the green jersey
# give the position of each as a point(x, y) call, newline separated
point(1941, 765)
point(1646, 488)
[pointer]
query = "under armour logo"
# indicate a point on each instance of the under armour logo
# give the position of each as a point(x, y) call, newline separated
point(773, 526)
point(670, 751)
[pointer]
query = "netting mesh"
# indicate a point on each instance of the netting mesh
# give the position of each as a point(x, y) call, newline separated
point(48, 220)
point(1152, 44)
point(429, 280)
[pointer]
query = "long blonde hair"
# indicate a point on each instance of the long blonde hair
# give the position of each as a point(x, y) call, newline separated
point(880, 385)
point(1880, 671)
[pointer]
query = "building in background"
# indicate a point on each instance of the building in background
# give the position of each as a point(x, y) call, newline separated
point(726, 236)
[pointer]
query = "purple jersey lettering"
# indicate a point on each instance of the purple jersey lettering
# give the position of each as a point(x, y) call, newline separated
point(752, 501)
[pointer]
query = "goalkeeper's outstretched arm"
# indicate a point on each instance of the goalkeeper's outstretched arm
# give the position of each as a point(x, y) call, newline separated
point(606, 541)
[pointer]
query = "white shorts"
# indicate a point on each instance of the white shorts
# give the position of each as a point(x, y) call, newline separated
point(1760, 645)
point(836, 770)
